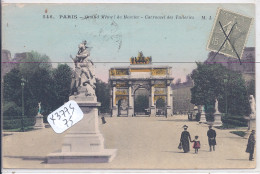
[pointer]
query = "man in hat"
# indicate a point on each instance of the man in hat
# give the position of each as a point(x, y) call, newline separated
point(211, 138)
point(251, 145)
point(185, 139)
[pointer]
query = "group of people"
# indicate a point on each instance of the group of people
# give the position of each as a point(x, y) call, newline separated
point(185, 141)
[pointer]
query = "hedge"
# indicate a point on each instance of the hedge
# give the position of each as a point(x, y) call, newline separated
point(235, 120)
point(17, 123)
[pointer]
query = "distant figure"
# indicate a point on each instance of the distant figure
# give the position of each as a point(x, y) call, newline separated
point(103, 120)
point(251, 145)
point(185, 139)
point(212, 138)
point(196, 144)
point(39, 108)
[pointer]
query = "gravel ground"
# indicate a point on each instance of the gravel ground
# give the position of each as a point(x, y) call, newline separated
point(142, 143)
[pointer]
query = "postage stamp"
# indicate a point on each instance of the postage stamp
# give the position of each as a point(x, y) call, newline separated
point(229, 33)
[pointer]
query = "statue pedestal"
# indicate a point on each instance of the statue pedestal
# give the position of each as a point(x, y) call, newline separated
point(203, 117)
point(251, 122)
point(83, 142)
point(39, 122)
point(169, 111)
point(153, 111)
point(130, 111)
point(217, 119)
point(114, 111)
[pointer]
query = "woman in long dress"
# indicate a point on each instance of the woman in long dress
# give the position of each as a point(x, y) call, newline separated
point(185, 139)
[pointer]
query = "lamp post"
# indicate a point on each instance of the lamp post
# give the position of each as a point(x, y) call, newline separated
point(22, 84)
point(225, 81)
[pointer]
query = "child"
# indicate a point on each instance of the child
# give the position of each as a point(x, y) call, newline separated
point(196, 144)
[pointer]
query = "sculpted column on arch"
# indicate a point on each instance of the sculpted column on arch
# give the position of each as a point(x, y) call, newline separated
point(152, 107)
point(114, 106)
point(130, 100)
point(169, 98)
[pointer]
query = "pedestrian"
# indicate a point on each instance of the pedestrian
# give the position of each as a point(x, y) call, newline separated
point(196, 144)
point(251, 145)
point(103, 120)
point(185, 139)
point(211, 138)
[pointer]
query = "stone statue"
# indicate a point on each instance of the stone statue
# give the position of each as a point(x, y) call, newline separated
point(84, 73)
point(252, 106)
point(39, 108)
point(216, 106)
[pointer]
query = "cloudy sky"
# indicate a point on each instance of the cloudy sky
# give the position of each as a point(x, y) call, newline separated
point(182, 37)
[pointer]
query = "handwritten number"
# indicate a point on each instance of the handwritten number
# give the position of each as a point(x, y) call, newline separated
point(71, 120)
point(63, 113)
point(58, 115)
point(66, 110)
point(52, 119)
point(72, 109)
point(66, 122)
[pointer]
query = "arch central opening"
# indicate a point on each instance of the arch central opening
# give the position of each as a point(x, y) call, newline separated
point(141, 102)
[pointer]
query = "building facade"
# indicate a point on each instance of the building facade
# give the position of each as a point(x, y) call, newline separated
point(141, 89)
point(247, 68)
point(181, 97)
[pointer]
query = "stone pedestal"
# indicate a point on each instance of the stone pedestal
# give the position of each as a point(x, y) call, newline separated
point(169, 111)
point(252, 124)
point(130, 111)
point(39, 122)
point(217, 119)
point(153, 111)
point(203, 117)
point(251, 121)
point(114, 111)
point(83, 142)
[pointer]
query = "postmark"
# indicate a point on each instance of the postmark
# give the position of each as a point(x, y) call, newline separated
point(229, 33)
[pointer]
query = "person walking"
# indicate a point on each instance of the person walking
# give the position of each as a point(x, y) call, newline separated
point(196, 144)
point(211, 138)
point(251, 145)
point(185, 139)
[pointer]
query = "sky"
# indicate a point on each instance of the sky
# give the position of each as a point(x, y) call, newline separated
point(114, 41)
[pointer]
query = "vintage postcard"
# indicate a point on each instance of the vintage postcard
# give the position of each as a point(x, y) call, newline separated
point(128, 86)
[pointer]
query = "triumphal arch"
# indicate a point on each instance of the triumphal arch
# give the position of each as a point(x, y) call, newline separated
point(141, 89)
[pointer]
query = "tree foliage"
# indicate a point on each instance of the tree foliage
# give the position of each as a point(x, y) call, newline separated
point(50, 86)
point(103, 95)
point(33, 62)
point(214, 81)
point(62, 75)
point(251, 88)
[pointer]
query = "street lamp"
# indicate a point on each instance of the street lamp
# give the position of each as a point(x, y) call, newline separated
point(225, 81)
point(22, 84)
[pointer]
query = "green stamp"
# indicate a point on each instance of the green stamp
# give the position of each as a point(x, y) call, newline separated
point(229, 33)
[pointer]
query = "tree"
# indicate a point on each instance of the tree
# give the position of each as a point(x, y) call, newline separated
point(251, 88)
point(33, 62)
point(209, 85)
point(178, 81)
point(12, 86)
point(40, 88)
point(43, 84)
point(103, 95)
point(61, 81)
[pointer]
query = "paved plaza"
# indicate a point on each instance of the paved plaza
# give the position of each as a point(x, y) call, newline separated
point(142, 143)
